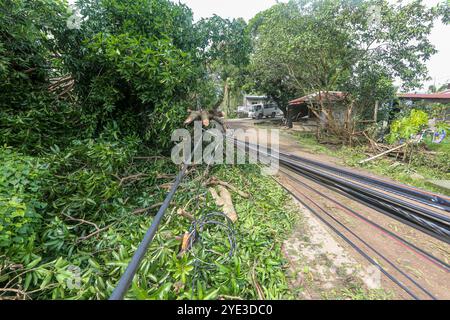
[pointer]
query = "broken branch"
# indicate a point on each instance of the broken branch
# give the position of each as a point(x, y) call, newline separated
point(139, 211)
point(383, 153)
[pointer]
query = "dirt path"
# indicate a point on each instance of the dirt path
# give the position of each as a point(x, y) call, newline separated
point(322, 265)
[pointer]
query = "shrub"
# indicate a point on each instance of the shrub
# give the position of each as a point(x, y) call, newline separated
point(408, 126)
point(20, 201)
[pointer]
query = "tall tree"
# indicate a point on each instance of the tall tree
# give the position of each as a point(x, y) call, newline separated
point(359, 47)
point(224, 51)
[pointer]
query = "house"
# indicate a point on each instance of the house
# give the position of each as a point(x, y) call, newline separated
point(335, 101)
point(301, 109)
point(250, 100)
point(442, 97)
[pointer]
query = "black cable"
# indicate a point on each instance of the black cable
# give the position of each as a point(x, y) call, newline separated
point(369, 246)
point(352, 244)
point(198, 226)
point(126, 279)
point(426, 221)
point(435, 200)
point(436, 260)
point(429, 227)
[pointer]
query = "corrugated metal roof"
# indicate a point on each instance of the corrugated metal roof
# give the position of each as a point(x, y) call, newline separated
point(320, 96)
point(425, 96)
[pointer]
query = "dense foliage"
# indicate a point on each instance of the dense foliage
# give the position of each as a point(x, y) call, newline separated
point(406, 127)
point(83, 93)
point(357, 47)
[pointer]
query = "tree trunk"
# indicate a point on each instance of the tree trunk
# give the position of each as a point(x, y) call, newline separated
point(289, 118)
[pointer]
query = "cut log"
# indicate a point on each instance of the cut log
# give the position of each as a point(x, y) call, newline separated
point(205, 116)
point(194, 115)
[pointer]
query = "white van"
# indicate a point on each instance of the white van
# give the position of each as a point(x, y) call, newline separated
point(259, 111)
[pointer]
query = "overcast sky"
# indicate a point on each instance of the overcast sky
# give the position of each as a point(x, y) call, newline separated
point(438, 66)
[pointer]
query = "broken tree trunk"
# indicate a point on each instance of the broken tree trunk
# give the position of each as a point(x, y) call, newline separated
point(204, 116)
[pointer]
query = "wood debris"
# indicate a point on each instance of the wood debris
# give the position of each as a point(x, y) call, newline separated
point(213, 181)
point(182, 212)
point(140, 211)
point(205, 117)
point(166, 186)
point(223, 199)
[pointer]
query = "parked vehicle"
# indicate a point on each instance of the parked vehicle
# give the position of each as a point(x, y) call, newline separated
point(242, 111)
point(278, 112)
point(259, 111)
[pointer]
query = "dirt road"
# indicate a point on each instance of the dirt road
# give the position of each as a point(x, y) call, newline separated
point(322, 265)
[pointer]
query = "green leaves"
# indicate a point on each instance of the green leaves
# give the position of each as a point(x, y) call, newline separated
point(302, 47)
point(20, 189)
point(406, 127)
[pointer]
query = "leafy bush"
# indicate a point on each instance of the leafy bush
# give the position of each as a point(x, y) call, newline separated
point(43, 203)
point(134, 62)
point(408, 126)
point(20, 201)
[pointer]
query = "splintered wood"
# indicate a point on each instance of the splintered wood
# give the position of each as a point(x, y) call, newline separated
point(223, 199)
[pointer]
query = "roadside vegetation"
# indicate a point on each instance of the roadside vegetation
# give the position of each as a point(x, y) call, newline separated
point(72, 238)
point(303, 47)
point(89, 99)
point(417, 171)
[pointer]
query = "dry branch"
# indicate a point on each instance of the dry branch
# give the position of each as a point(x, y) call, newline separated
point(214, 181)
point(182, 212)
point(383, 153)
point(150, 158)
point(165, 176)
point(166, 186)
point(97, 228)
point(131, 178)
point(93, 234)
point(140, 211)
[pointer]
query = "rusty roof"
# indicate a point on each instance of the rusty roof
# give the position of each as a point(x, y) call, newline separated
point(326, 96)
point(425, 96)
